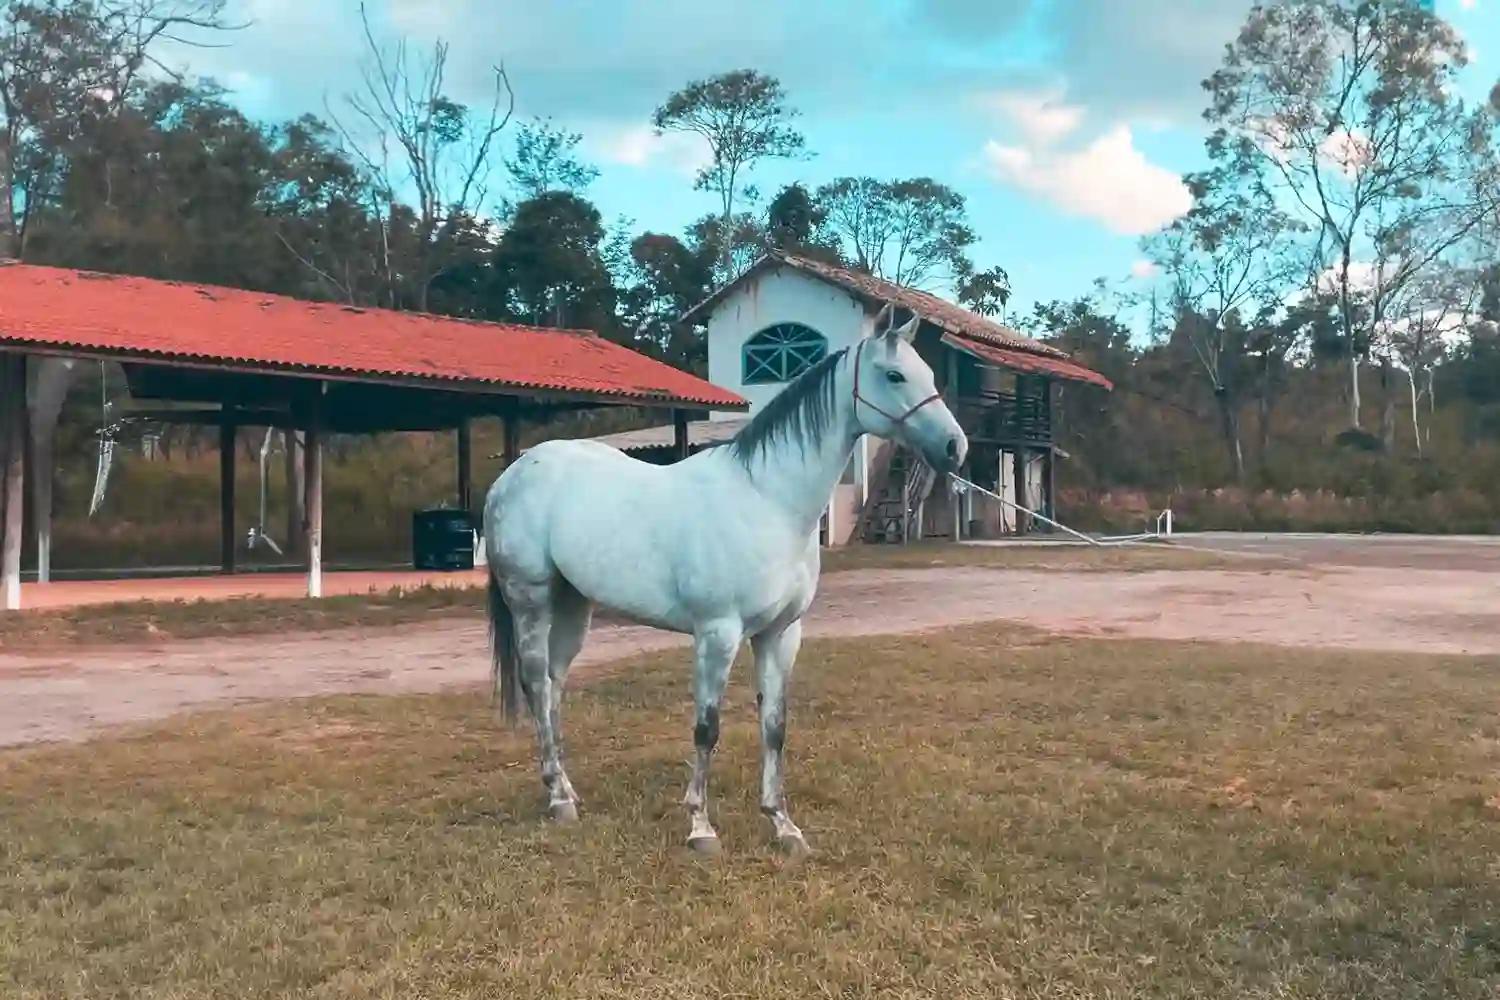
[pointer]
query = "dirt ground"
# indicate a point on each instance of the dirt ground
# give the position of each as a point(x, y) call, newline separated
point(1428, 595)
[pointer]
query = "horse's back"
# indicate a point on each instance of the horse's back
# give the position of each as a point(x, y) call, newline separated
point(590, 514)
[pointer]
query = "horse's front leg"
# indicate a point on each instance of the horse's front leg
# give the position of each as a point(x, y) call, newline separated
point(775, 655)
point(714, 647)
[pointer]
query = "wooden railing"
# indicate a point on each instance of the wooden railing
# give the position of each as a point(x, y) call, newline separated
point(1005, 417)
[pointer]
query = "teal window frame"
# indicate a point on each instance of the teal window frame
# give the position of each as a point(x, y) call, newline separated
point(780, 353)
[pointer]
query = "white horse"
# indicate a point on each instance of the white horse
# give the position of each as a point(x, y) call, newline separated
point(722, 546)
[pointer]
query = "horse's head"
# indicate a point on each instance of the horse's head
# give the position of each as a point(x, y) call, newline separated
point(896, 396)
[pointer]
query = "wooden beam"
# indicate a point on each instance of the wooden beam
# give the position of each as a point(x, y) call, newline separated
point(682, 448)
point(227, 428)
point(465, 468)
point(469, 387)
point(312, 456)
point(512, 449)
point(12, 446)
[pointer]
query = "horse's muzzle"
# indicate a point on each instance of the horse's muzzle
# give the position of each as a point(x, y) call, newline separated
point(952, 456)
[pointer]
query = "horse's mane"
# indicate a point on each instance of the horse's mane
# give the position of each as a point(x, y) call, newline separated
point(801, 412)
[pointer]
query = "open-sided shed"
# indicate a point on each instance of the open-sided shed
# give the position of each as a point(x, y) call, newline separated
point(232, 358)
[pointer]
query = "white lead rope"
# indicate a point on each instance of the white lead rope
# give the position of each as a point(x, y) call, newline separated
point(962, 485)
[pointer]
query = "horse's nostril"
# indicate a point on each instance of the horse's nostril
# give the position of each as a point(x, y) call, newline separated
point(953, 448)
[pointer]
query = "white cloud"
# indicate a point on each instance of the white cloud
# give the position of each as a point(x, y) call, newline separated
point(1468, 4)
point(1108, 180)
point(640, 146)
point(1346, 150)
point(1042, 118)
point(1143, 269)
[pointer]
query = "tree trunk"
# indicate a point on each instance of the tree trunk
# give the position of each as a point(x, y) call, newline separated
point(10, 241)
point(1387, 407)
point(1263, 427)
point(1230, 423)
point(1353, 387)
point(1416, 423)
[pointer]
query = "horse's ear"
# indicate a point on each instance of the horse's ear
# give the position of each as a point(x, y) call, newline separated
point(883, 320)
point(908, 330)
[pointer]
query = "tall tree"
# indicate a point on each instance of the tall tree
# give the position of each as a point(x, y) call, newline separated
point(744, 117)
point(732, 250)
point(1226, 260)
point(545, 158)
point(912, 232)
point(65, 64)
point(1438, 303)
point(1349, 107)
point(418, 139)
point(664, 279)
point(548, 267)
point(985, 292)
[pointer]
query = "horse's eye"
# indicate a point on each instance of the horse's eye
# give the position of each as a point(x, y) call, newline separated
point(894, 377)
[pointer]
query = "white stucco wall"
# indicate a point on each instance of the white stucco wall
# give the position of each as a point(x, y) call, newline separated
point(778, 296)
point(786, 296)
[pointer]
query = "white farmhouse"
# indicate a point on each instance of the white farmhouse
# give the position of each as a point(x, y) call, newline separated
point(786, 312)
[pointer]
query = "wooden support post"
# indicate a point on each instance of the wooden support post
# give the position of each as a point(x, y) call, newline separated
point(12, 446)
point(1049, 484)
point(296, 493)
point(1023, 521)
point(512, 448)
point(312, 539)
point(465, 469)
point(226, 490)
point(680, 446)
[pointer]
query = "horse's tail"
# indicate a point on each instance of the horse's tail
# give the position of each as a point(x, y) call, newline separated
point(504, 677)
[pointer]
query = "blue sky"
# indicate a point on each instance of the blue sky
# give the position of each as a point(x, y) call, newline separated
point(1066, 123)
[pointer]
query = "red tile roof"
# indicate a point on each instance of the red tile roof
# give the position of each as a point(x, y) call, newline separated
point(1025, 361)
point(51, 308)
point(877, 292)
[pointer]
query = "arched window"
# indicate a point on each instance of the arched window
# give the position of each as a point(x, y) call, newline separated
point(782, 352)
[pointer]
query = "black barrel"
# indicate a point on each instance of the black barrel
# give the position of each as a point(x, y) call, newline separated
point(442, 538)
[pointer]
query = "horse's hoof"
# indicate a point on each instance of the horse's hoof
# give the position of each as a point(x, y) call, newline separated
point(793, 847)
point(705, 846)
point(563, 812)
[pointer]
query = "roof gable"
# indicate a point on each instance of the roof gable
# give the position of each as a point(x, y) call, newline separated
point(877, 292)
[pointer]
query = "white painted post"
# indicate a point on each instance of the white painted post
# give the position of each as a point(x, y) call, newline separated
point(13, 435)
point(313, 457)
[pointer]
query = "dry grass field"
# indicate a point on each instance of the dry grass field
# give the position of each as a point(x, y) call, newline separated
point(996, 814)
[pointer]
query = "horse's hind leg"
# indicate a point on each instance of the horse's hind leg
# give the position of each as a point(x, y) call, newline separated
point(571, 615)
point(531, 606)
point(714, 646)
point(775, 655)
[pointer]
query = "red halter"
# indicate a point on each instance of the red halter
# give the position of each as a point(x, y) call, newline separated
point(898, 421)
